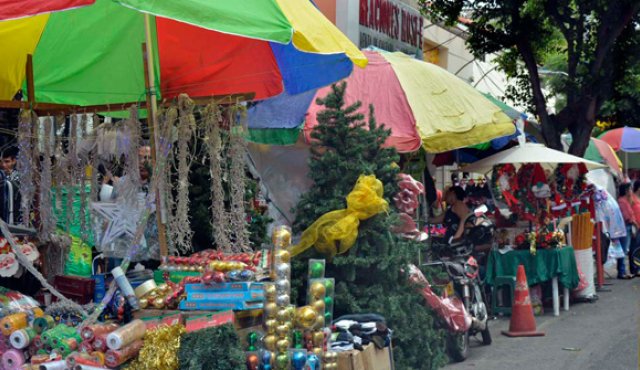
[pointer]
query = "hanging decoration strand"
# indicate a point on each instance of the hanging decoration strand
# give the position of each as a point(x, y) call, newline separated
point(237, 178)
point(213, 139)
point(95, 187)
point(181, 225)
point(72, 158)
point(47, 216)
point(25, 164)
point(82, 172)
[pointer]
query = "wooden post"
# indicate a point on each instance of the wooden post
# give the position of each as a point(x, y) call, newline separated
point(31, 94)
point(151, 120)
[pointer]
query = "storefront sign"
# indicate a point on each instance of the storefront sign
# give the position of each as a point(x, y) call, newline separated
point(390, 25)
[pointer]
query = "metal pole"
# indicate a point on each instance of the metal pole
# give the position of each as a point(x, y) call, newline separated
point(152, 104)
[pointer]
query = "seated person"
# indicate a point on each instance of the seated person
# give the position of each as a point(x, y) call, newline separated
point(455, 215)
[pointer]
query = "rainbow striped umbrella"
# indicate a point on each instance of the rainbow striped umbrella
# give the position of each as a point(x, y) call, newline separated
point(422, 104)
point(92, 54)
point(627, 140)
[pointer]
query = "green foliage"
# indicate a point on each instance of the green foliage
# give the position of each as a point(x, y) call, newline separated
point(568, 47)
point(368, 277)
point(216, 348)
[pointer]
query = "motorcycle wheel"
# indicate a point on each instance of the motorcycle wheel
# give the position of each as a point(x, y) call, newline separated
point(458, 346)
point(486, 335)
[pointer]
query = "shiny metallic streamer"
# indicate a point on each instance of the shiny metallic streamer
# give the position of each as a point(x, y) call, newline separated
point(82, 173)
point(93, 157)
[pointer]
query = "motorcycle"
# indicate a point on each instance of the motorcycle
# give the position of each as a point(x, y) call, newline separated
point(462, 307)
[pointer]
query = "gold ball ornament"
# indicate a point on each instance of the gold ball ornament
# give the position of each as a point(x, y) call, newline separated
point(282, 330)
point(306, 317)
point(330, 366)
point(144, 303)
point(283, 256)
point(270, 325)
point(158, 302)
point(283, 345)
point(319, 306)
point(200, 268)
point(318, 338)
point(270, 292)
point(291, 311)
point(283, 315)
point(330, 357)
point(317, 351)
point(269, 342)
point(163, 288)
point(271, 309)
point(319, 322)
point(281, 237)
point(318, 290)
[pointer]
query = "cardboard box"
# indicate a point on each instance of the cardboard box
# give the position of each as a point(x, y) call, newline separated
point(210, 320)
point(370, 358)
point(225, 296)
point(219, 306)
point(223, 287)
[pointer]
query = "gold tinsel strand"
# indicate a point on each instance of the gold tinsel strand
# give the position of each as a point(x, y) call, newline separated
point(160, 350)
point(237, 150)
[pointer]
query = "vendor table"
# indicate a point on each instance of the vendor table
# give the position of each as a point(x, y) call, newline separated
point(558, 264)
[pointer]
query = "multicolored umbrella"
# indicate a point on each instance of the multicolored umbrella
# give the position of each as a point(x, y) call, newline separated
point(92, 55)
point(421, 103)
point(599, 151)
point(626, 139)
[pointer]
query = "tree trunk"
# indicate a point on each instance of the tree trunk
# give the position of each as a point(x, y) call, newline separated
point(582, 126)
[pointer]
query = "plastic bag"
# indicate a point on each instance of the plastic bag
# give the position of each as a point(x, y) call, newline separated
point(79, 259)
point(451, 310)
point(615, 252)
point(12, 302)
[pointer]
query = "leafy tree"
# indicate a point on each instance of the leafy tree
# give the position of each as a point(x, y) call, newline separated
point(525, 30)
point(368, 277)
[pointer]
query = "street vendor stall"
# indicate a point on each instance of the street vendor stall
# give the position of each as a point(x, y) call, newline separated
point(535, 188)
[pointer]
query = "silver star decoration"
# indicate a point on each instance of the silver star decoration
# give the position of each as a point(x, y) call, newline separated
point(121, 221)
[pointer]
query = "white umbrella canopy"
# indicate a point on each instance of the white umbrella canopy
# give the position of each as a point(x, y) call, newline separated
point(529, 153)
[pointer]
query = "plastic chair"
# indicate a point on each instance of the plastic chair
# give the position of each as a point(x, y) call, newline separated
point(500, 283)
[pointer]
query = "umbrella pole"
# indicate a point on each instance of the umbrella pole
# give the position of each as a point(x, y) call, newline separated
point(152, 105)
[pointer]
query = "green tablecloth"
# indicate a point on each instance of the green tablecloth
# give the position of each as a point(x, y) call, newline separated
point(542, 267)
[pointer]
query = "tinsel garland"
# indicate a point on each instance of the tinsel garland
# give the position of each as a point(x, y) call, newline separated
point(72, 162)
point(47, 216)
point(167, 120)
point(131, 139)
point(25, 164)
point(181, 227)
point(219, 216)
point(82, 172)
point(59, 169)
point(237, 176)
point(216, 348)
point(160, 350)
point(95, 186)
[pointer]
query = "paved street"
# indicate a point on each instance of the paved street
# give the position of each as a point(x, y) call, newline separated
point(602, 335)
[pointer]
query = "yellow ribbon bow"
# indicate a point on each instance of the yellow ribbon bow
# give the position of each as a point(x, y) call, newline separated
point(336, 231)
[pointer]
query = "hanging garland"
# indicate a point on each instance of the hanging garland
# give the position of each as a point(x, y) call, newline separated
point(130, 145)
point(237, 178)
point(93, 158)
point(72, 159)
point(213, 139)
point(504, 183)
point(167, 121)
point(83, 180)
point(47, 216)
point(181, 226)
point(25, 164)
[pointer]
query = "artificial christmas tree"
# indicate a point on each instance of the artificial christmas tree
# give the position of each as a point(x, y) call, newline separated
point(368, 277)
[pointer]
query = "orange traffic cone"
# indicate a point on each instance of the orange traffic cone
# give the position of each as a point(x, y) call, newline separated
point(522, 324)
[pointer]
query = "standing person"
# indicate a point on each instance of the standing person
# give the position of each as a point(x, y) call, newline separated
point(635, 205)
point(624, 201)
point(12, 186)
